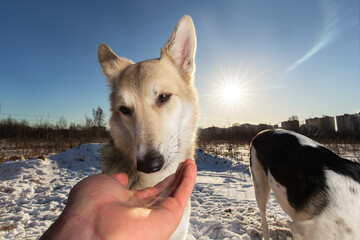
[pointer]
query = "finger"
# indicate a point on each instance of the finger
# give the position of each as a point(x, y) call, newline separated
point(158, 193)
point(157, 190)
point(167, 186)
point(168, 181)
point(179, 176)
point(183, 192)
point(122, 178)
point(176, 204)
point(162, 188)
point(145, 197)
point(145, 193)
point(179, 169)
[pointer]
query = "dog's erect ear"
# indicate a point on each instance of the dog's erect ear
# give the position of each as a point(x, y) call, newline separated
point(182, 45)
point(111, 64)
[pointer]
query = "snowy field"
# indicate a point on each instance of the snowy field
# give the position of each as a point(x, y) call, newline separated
point(33, 193)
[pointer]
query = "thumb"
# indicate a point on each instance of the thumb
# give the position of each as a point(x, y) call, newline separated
point(122, 178)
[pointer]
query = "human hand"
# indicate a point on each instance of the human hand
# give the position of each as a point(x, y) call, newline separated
point(101, 207)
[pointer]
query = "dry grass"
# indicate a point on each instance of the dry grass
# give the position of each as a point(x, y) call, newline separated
point(2, 155)
point(230, 150)
point(349, 151)
point(39, 148)
point(7, 228)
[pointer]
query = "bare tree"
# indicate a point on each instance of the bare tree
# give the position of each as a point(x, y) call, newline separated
point(88, 122)
point(294, 117)
point(98, 117)
point(62, 123)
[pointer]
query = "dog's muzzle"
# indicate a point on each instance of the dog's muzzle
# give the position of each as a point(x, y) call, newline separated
point(152, 162)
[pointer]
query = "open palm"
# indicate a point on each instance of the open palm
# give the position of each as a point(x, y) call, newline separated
point(101, 207)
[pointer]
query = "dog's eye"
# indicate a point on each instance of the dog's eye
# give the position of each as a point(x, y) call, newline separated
point(125, 110)
point(164, 98)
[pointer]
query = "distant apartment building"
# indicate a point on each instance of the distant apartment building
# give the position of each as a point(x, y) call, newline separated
point(312, 124)
point(348, 123)
point(325, 123)
point(292, 125)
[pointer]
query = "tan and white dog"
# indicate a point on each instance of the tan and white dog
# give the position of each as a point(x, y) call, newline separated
point(154, 112)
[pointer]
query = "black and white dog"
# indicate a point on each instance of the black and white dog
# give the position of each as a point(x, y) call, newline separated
point(319, 190)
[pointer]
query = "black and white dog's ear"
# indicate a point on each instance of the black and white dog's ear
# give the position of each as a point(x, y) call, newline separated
point(181, 46)
point(110, 63)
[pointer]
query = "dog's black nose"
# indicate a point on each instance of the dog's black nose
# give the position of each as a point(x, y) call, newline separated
point(152, 162)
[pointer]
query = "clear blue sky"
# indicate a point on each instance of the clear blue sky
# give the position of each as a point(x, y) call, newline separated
point(289, 57)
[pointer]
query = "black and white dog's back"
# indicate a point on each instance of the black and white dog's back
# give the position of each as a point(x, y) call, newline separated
point(319, 190)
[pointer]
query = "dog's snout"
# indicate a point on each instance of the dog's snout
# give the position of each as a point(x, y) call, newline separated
point(152, 162)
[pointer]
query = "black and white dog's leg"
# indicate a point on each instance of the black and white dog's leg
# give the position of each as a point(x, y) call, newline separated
point(262, 189)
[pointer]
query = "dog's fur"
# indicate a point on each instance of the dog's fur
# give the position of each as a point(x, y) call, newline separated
point(319, 190)
point(154, 112)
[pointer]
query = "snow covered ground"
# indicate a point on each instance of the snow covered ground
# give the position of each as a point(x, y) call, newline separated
point(223, 202)
point(33, 193)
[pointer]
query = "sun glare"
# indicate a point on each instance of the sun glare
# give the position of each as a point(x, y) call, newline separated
point(234, 93)
point(231, 93)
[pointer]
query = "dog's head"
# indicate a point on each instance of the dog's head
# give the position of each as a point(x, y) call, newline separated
point(154, 102)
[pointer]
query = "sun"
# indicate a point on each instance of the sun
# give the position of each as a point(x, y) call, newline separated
point(234, 93)
point(231, 93)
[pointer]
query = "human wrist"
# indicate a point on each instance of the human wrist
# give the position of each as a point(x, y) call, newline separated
point(71, 225)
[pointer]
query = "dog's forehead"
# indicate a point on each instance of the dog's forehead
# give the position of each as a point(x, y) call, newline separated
point(136, 74)
point(147, 75)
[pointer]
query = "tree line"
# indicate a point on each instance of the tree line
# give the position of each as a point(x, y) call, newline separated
point(94, 128)
point(244, 133)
